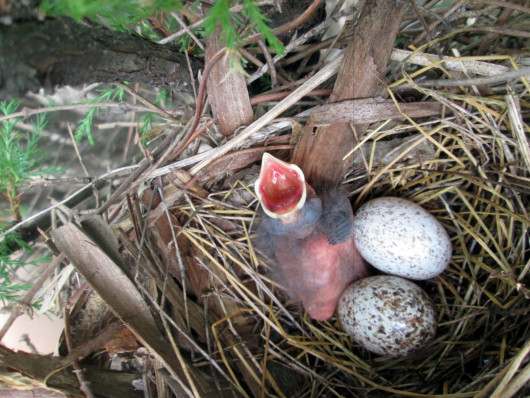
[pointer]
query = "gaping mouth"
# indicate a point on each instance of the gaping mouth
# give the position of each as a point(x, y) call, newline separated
point(280, 187)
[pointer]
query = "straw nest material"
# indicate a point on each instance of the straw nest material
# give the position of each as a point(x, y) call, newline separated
point(470, 169)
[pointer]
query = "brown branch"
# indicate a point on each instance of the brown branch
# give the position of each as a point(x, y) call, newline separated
point(321, 150)
point(61, 51)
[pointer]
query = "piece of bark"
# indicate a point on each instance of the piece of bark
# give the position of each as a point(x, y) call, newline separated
point(61, 51)
point(122, 296)
point(103, 383)
point(227, 89)
point(321, 150)
point(88, 316)
point(371, 110)
point(123, 341)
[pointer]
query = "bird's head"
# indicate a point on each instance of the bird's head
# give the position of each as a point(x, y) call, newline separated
point(281, 188)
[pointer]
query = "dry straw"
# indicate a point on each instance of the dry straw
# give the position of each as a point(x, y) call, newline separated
point(472, 174)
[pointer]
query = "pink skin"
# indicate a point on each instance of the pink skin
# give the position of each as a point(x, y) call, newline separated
point(314, 271)
point(319, 276)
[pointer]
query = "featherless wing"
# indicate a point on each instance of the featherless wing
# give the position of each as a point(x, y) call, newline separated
point(336, 221)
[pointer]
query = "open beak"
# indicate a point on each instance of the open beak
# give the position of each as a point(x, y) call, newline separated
point(281, 188)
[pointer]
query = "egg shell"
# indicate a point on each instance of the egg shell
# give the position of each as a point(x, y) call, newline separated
point(387, 315)
point(400, 238)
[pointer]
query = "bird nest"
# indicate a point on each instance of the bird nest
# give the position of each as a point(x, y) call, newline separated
point(469, 169)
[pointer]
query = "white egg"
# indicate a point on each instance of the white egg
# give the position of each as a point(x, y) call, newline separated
point(401, 238)
point(387, 315)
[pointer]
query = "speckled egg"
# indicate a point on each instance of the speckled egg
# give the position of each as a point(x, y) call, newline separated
point(400, 238)
point(387, 315)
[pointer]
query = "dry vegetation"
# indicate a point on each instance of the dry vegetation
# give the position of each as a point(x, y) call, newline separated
point(199, 295)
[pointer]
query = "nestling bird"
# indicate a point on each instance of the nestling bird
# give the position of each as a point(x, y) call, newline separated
point(309, 237)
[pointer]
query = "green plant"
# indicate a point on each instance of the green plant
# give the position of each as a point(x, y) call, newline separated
point(117, 12)
point(147, 119)
point(20, 155)
point(85, 125)
point(9, 264)
point(121, 13)
point(20, 160)
point(220, 14)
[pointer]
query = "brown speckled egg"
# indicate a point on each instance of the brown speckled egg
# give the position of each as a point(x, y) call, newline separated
point(387, 315)
point(398, 237)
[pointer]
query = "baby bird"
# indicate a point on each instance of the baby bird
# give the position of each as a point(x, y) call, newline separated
point(309, 237)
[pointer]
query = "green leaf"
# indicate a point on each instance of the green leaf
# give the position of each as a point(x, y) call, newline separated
point(115, 13)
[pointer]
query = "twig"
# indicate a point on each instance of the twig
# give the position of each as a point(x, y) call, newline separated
point(506, 4)
point(25, 112)
point(320, 77)
point(164, 149)
point(43, 182)
point(472, 65)
point(25, 338)
point(308, 50)
point(188, 30)
point(270, 63)
point(84, 385)
point(500, 31)
point(152, 107)
point(131, 126)
point(62, 202)
point(433, 25)
point(290, 25)
point(198, 23)
point(278, 96)
point(193, 134)
point(69, 128)
point(248, 55)
point(515, 74)
point(422, 20)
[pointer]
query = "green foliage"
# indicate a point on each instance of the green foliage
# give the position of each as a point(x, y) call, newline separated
point(162, 96)
point(20, 155)
point(147, 120)
point(221, 15)
point(120, 13)
point(85, 125)
point(20, 159)
point(255, 16)
point(116, 12)
point(10, 291)
point(147, 124)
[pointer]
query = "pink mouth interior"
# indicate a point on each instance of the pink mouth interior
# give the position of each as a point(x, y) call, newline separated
point(280, 188)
